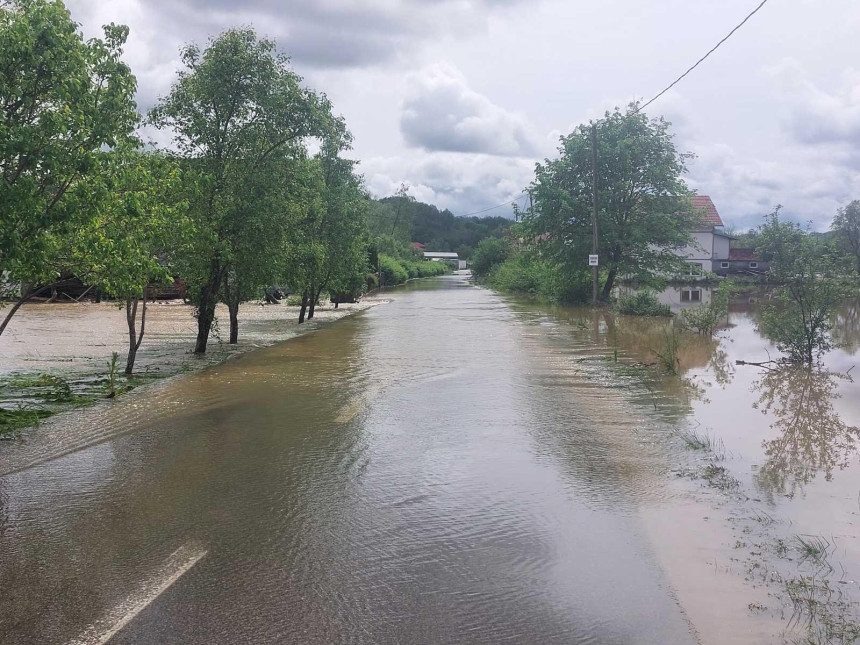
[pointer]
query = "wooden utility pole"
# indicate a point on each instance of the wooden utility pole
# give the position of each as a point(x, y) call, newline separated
point(595, 276)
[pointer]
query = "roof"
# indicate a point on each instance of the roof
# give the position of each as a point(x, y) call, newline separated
point(419, 246)
point(742, 254)
point(710, 216)
point(441, 254)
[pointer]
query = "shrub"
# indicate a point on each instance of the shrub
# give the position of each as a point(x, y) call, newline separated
point(642, 303)
point(491, 252)
point(392, 271)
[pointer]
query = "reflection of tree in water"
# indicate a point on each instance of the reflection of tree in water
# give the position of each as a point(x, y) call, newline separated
point(812, 437)
point(846, 327)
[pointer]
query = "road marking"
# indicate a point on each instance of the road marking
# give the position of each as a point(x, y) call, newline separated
point(179, 562)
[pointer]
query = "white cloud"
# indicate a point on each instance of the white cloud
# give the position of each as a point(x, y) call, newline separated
point(441, 112)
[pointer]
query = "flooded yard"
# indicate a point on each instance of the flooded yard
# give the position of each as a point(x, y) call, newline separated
point(454, 466)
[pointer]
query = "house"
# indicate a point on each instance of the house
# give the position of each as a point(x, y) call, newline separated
point(711, 243)
point(742, 262)
point(419, 247)
point(440, 255)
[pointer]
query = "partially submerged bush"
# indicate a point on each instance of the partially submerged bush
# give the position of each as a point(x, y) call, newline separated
point(397, 271)
point(643, 303)
point(490, 253)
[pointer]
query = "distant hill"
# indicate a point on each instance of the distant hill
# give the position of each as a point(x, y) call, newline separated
point(413, 221)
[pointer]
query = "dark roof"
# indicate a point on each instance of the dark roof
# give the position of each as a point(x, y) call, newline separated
point(710, 216)
point(742, 254)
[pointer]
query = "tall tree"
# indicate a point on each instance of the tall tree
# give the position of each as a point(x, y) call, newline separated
point(62, 101)
point(234, 105)
point(643, 215)
point(846, 225)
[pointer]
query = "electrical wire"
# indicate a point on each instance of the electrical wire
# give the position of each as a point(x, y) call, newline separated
point(492, 208)
point(701, 60)
point(655, 97)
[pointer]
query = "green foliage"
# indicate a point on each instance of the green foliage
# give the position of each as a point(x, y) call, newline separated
point(490, 252)
point(846, 227)
point(65, 101)
point(397, 270)
point(798, 320)
point(642, 303)
point(670, 349)
point(704, 319)
point(643, 213)
point(238, 113)
point(408, 220)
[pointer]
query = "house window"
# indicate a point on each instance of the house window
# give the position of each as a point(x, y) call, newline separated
point(691, 295)
point(724, 265)
point(753, 265)
point(695, 268)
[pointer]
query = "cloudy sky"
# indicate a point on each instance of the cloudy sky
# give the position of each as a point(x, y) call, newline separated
point(459, 98)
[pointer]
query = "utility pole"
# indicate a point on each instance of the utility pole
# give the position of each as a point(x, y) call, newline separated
point(595, 277)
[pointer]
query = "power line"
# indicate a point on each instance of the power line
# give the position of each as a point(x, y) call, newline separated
point(711, 51)
point(657, 96)
point(492, 208)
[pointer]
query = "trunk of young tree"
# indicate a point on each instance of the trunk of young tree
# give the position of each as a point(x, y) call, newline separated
point(610, 282)
point(206, 308)
point(18, 304)
point(315, 297)
point(233, 306)
point(304, 306)
point(134, 337)
point(231, 291)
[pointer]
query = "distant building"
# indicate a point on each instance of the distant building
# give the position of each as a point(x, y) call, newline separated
point(419, 246)
point(711, 243)
point(742, 262)
point(440, 255)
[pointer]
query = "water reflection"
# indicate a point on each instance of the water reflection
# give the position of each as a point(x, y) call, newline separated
point(812, 437)
point(846, 327)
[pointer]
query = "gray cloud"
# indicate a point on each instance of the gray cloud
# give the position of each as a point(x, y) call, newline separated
point(441, 112)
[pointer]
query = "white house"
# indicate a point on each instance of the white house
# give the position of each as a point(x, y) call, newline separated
point(710, 250)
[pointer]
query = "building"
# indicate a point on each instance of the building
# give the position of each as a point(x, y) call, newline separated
point(742, 262)
point(711, 243)
point(441, 255)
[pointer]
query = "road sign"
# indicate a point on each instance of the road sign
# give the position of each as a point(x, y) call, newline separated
point(592, 260)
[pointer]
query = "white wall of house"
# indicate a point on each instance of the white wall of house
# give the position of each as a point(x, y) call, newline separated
point(700, 251)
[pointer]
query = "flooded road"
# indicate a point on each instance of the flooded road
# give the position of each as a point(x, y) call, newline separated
point(421, 472)
point(454, 466)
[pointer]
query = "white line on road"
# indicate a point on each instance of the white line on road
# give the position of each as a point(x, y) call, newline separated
point(179, 562)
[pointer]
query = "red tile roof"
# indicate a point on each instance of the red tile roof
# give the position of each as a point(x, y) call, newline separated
point(419, 246)
point(710, 216)
point(742, 254)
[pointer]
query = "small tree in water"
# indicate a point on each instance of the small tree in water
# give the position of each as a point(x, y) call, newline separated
point(810, 289)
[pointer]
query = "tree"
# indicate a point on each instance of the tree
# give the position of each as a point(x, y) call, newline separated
point(799, 318)
point(134, 237)
point(232, 108)
point(643, 214)
point(846, 225)
point(63, 101)
point(490, 252)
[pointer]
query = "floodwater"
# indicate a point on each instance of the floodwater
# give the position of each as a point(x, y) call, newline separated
point(453, 466)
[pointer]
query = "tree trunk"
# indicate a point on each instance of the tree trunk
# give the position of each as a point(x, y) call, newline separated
point(233, 306)
point(304, 306)
point(610, 282)
point(315, 296)
point(206, 308)
point(134, 337)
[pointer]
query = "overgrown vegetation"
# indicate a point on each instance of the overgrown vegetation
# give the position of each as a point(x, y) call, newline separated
point(705, 319)
point(642, 303)
point(813, 281)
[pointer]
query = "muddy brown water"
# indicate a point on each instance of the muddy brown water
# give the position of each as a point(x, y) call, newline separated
point(453, 466)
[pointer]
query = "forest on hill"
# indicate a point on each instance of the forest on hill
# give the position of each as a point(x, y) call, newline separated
point(405, 220)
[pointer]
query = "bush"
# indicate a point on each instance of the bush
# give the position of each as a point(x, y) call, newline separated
point(642, 303)
point(397, 271)
point(491, 252)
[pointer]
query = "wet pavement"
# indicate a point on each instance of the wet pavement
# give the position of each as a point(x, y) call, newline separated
point(454, 466)
point(416, 473)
